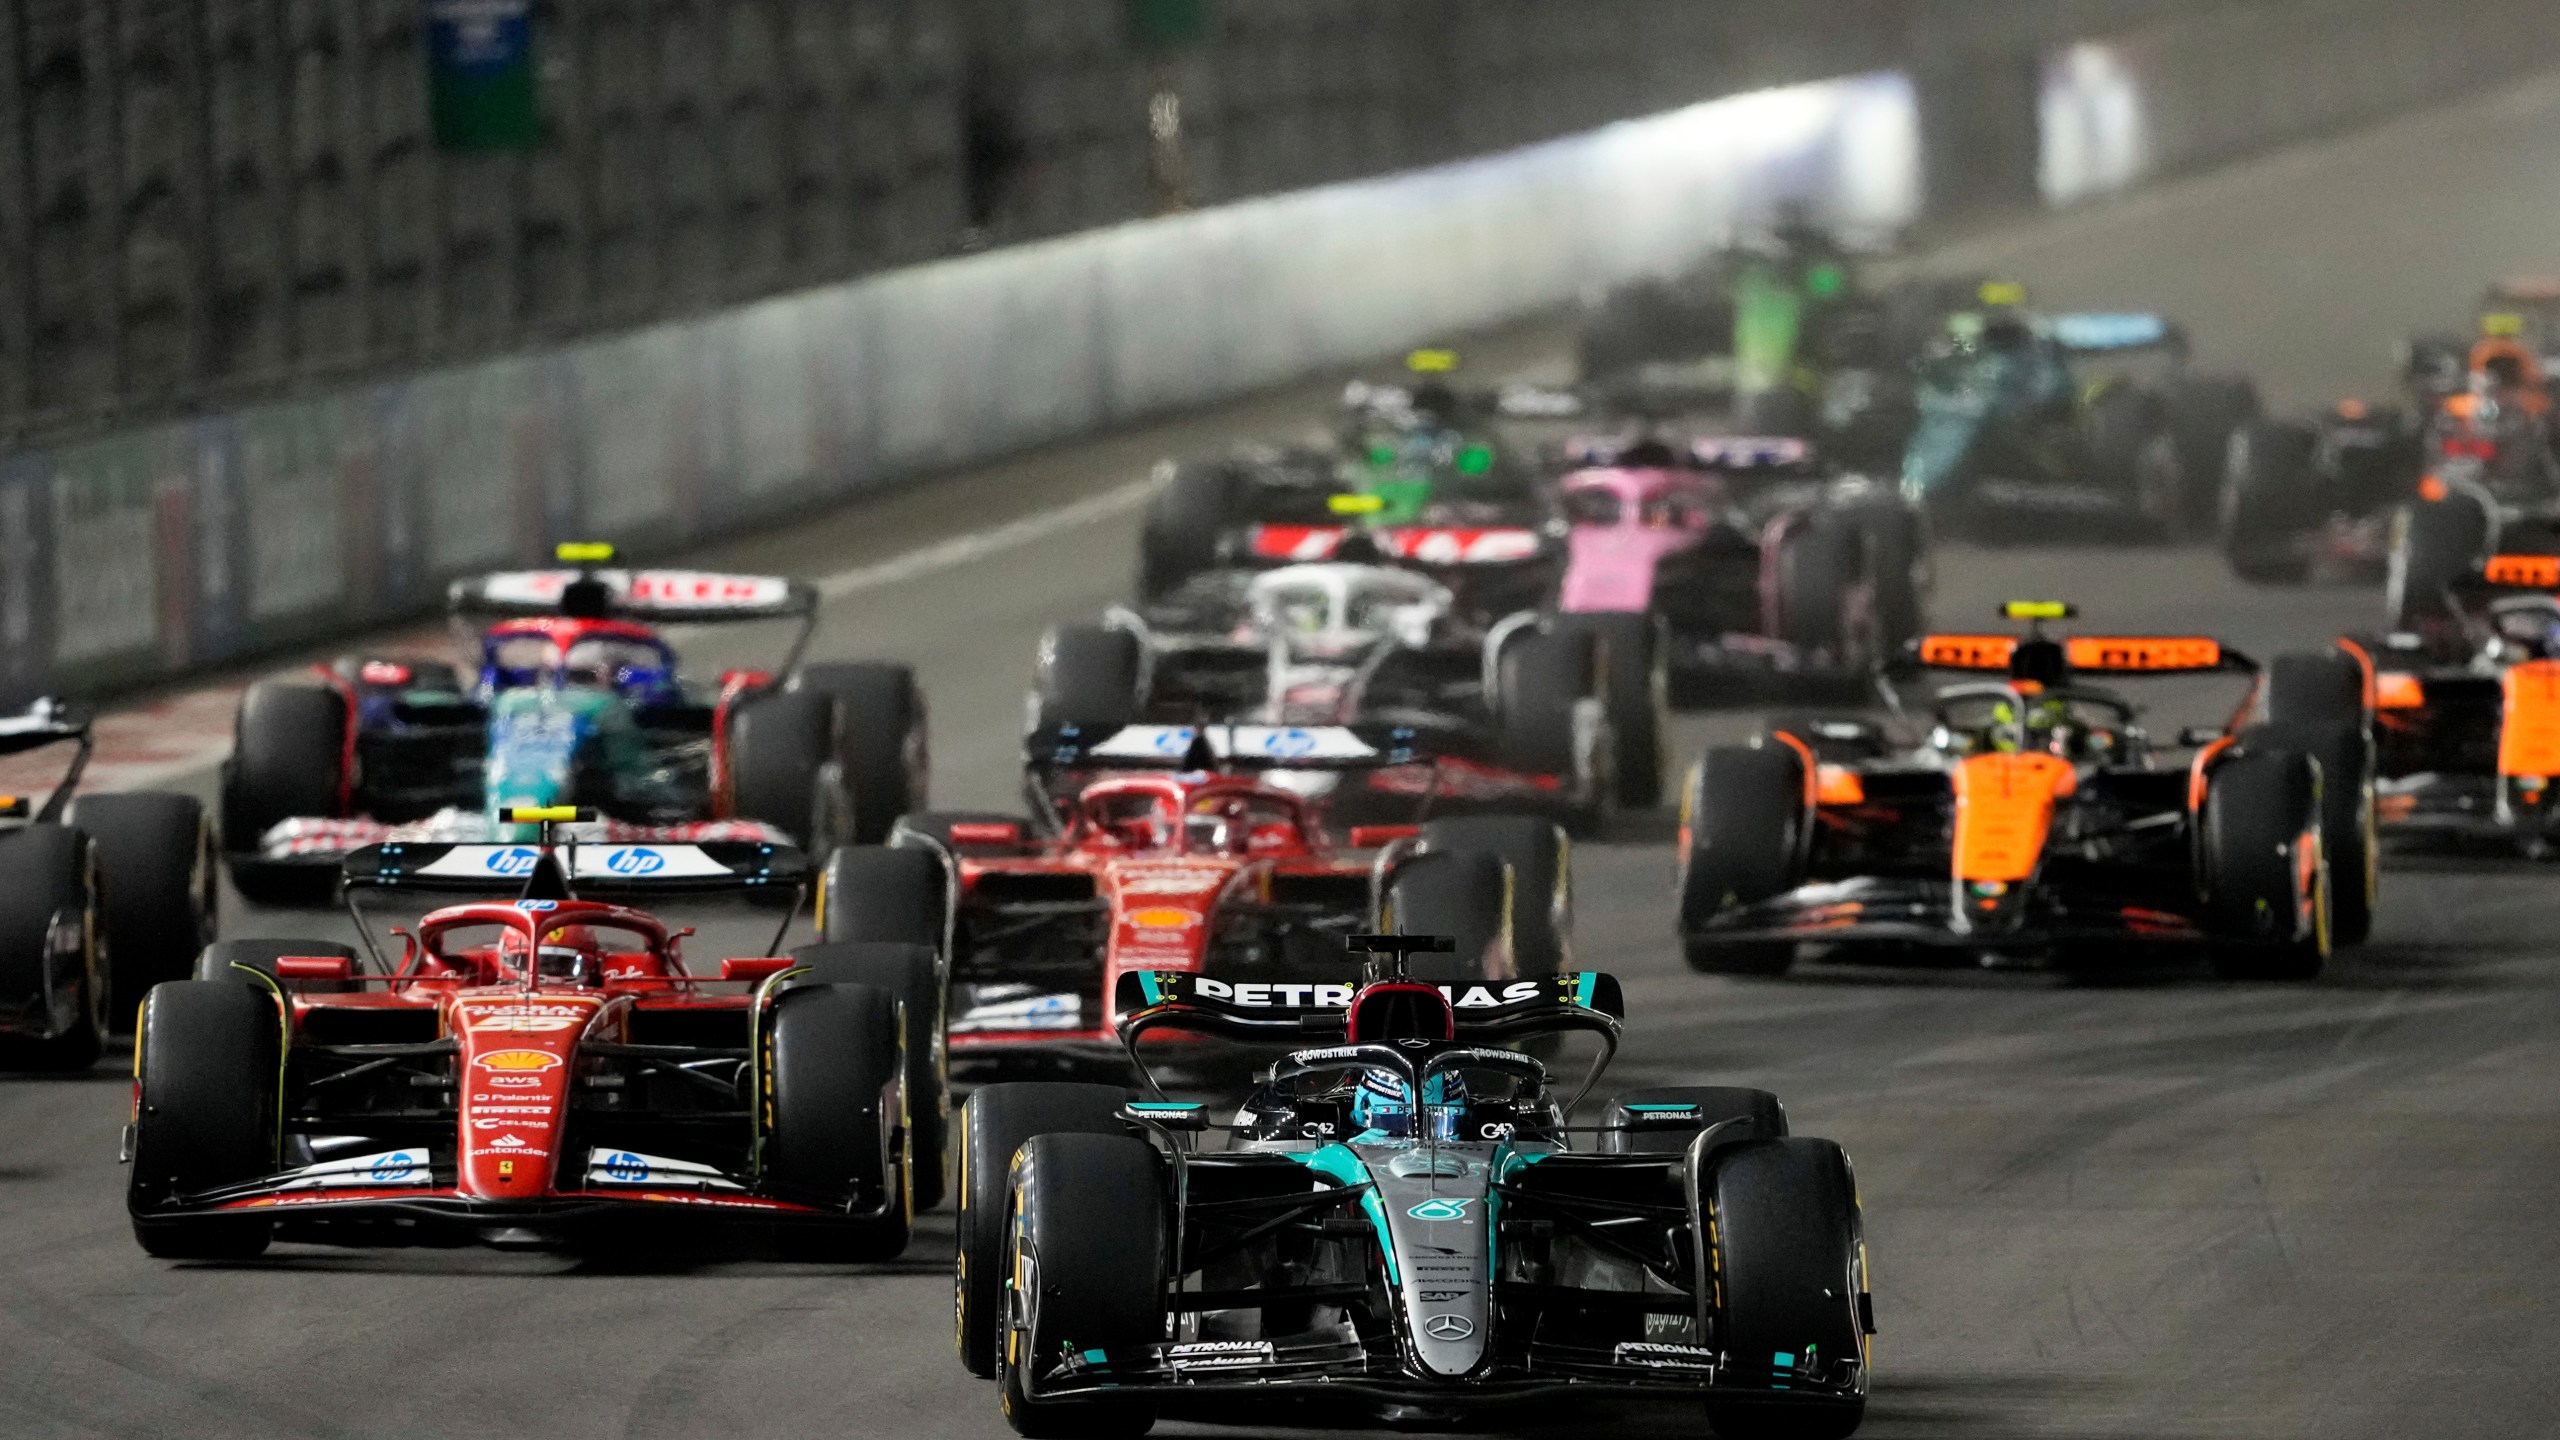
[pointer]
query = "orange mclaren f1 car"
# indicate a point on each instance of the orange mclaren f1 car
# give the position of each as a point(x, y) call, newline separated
point(2036, 818)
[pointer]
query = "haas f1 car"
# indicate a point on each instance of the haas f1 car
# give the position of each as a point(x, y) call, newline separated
point(1403, 1217)
point(1738, 554)
point(576, 700)
point(101, 897)
point(2038, 819)
point(542, 1070)
point(1518, 714)
point(1167, 847)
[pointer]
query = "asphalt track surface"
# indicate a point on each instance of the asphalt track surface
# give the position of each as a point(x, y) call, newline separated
point(2133, 1206)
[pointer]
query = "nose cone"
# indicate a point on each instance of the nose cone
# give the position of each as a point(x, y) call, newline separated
point(519, 1054)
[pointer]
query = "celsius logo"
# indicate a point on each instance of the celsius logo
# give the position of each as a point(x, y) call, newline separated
point(623, 1165)
point(1441, 1209)
point(635, 862)
point(514, 860)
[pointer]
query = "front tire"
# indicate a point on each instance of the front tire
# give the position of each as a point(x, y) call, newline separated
point(913, 975)
point(997, 1121)
point(1540, 859)
point(1464, 894)
point(2267, 898)
point(159, 890)
point(1088, 675)
point(783, 768)
point(1636, 684)
point(2315, 704)
point(1791, 1270)
point(289, 756)
point(892, 895)
point(2436, 544)
point(206, 1065)
point(883, 751)
point(1088, 1235)
point(2269, 502)
point(1742, 819)
point(839, 1137)
point(50, 930)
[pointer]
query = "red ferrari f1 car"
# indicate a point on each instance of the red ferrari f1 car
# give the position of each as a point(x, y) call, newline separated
point(542, 1070)
point(1153, 848)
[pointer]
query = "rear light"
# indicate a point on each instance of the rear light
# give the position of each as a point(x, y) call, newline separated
point(754, 967)
point(385, 672)
point(315, 967)
point(2457, 447)
point(986, 832)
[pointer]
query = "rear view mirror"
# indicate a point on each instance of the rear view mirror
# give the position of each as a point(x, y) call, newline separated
point(2198, 735)
point(986, 832)
point(754, 967)
point(315, 967)
point(1371, 837)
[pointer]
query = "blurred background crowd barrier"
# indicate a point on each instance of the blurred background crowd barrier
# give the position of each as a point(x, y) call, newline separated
point(312, 304)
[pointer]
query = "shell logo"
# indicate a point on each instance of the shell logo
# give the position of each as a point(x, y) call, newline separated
point(1163, 917)
point(518, 1060)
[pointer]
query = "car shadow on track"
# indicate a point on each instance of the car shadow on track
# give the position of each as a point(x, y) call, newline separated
point(660, 1256)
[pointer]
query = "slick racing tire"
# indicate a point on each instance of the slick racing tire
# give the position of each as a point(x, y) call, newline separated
point(50, 930)
point(2434, 545)
point(205, 1071)
point(1541, 680)
point(1742, 836)
point(159, 887)
point(288, 761)
point(913, 974)
point(1897, 562)
point(1636, 683)
point(784, 770)
point(1088, 675)
point(1760, 1115)
point(838, 1135)
point(2131, 453)
point(883, 749)
point(1466, 895)
point(1790, 1267)
point(2204, 412)
point(2315, 704)
point(1540, 859)
point(1820, 563)
point(897, 895)
point(2260, 809)
point(253, 963)
point(1189, 514)
point(1084, 1270)
point(997, 1121)
point(2270, 501)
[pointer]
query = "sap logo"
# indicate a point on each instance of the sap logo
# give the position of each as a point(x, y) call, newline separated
point(398, 1165)
point(1440, 1208)
point(624, 1166)
point(635, 861)
point(516, 861)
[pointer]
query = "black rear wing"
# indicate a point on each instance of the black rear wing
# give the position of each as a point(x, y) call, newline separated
point(1289, 1012)
point(47, 721)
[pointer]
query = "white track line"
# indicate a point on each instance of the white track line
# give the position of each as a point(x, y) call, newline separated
point(966, 549)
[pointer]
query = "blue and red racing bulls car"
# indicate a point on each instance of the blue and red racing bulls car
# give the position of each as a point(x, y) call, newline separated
point(1403, 1217)
point(575, 698)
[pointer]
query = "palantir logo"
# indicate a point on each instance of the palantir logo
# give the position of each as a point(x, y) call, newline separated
point(515, 860)
point(635, 861)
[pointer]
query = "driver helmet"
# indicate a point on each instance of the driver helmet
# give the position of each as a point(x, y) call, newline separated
point(1384, 1104)
point(1406, 1013)
point(2004, 333)
point(2045, 723)
point(1435, 402)
point(570, 953)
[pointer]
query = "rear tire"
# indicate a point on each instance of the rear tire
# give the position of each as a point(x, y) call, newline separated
point(50, 927)
point(2270, 500)
point(288, 761)
point(2204, 413)
point(1542, 680)
point(206, 1064)
point(839, 1136)
point(997, 1121)
point(1463, 894)
point(1540, 858)
point(898, 896)
point(1819, 564)
point(159, 890)
point(1637, 687)
point(1089, 1229)
point(783, 768)
point(883, 748)
point(2257, 809)
point(1185, 522)
point(1791, 1270)
point(1088, 675)
point(1783, 413)
point(913, 975)
point(2437, 543)
point(1742, 822)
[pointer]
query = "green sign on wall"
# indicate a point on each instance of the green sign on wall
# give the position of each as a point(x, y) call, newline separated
point(1163, 24)
point(483, 77)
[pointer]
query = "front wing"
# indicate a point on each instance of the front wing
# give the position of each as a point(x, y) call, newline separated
point(1934, 912)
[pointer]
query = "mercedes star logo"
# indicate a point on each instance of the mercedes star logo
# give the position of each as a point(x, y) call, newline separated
point(1448, 1327)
